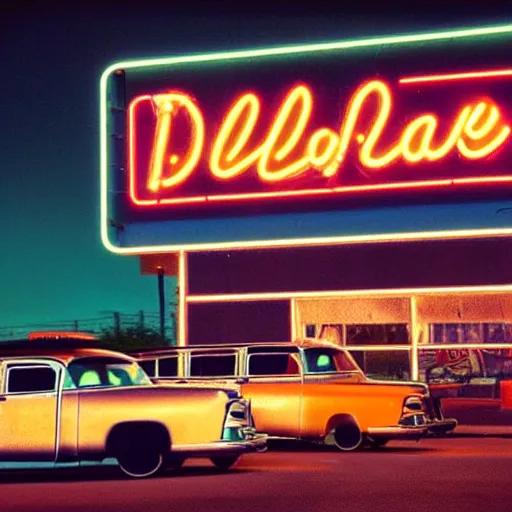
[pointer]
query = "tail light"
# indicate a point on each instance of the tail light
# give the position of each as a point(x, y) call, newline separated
point(413, 412)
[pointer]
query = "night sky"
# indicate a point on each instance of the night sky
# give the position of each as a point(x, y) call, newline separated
point(54, 266)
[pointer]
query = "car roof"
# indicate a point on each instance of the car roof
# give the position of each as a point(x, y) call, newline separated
point(258, 346)
point(63, 350)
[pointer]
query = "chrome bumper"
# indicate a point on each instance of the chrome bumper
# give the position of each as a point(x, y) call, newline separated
point(253, 442)
point(441, 427)
point(398, 432)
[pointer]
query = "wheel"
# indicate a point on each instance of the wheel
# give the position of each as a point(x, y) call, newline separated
point(224, 463)
point(140, 461)
point(347, 437)
point(379, 442)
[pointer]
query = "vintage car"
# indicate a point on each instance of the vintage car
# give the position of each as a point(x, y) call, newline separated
point(307, 390)
point(59, 403)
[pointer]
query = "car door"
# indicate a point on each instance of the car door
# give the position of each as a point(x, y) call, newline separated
point(28, 410)
point(275, 389)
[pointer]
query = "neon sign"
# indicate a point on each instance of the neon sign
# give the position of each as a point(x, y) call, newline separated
point(315, 143)
point(288, 149)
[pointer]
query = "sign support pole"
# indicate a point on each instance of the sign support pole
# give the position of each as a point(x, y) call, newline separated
point(182, 299)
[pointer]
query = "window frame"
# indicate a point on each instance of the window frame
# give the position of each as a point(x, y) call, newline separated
point(12, 364)
point(158, 360)
point(274, 375)
point(193, 355)
point(386, 328)
point(344, 351)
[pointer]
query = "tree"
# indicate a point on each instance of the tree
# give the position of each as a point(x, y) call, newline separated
point(132, 338)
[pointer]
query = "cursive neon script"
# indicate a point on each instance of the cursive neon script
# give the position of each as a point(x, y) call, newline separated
point(287, 150)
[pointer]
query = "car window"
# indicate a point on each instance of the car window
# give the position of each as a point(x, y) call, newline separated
point(273, 364)
point(168, 366)
point(106, 372)
point(31, 379)
point(149, 367)
point(213, 365)
point(68, 381)
point(89, 378)
point(327, 360)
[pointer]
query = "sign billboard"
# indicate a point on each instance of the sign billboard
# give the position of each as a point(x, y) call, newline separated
point(348, 141)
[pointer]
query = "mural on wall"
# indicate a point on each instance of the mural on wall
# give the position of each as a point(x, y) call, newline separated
point(465, 364)
point(450, 364)
point(443, 365)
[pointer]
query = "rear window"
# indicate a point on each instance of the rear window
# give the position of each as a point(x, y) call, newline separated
point(213, 365)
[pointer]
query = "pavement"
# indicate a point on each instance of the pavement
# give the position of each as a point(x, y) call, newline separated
point(483, 430)
point(452, 475)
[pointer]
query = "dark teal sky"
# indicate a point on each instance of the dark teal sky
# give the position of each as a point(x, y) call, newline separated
point(54, 266)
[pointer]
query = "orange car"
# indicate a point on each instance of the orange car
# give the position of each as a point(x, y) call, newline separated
point(308, 390)
point(62, 404)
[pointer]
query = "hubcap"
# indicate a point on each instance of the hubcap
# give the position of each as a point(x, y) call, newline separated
point(348, 437)
point(141, 464)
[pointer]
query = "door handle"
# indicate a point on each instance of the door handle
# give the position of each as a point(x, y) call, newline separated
point(3, 398)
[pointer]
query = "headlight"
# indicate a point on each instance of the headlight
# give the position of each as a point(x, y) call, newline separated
point(238, 418)
point(237, 413)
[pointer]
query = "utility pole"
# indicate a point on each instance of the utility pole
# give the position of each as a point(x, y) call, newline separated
point(161, 300)
point(174, 317)
point(117, 323)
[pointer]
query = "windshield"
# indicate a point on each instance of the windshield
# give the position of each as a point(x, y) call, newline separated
point(106, 372)
point(328, 360)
